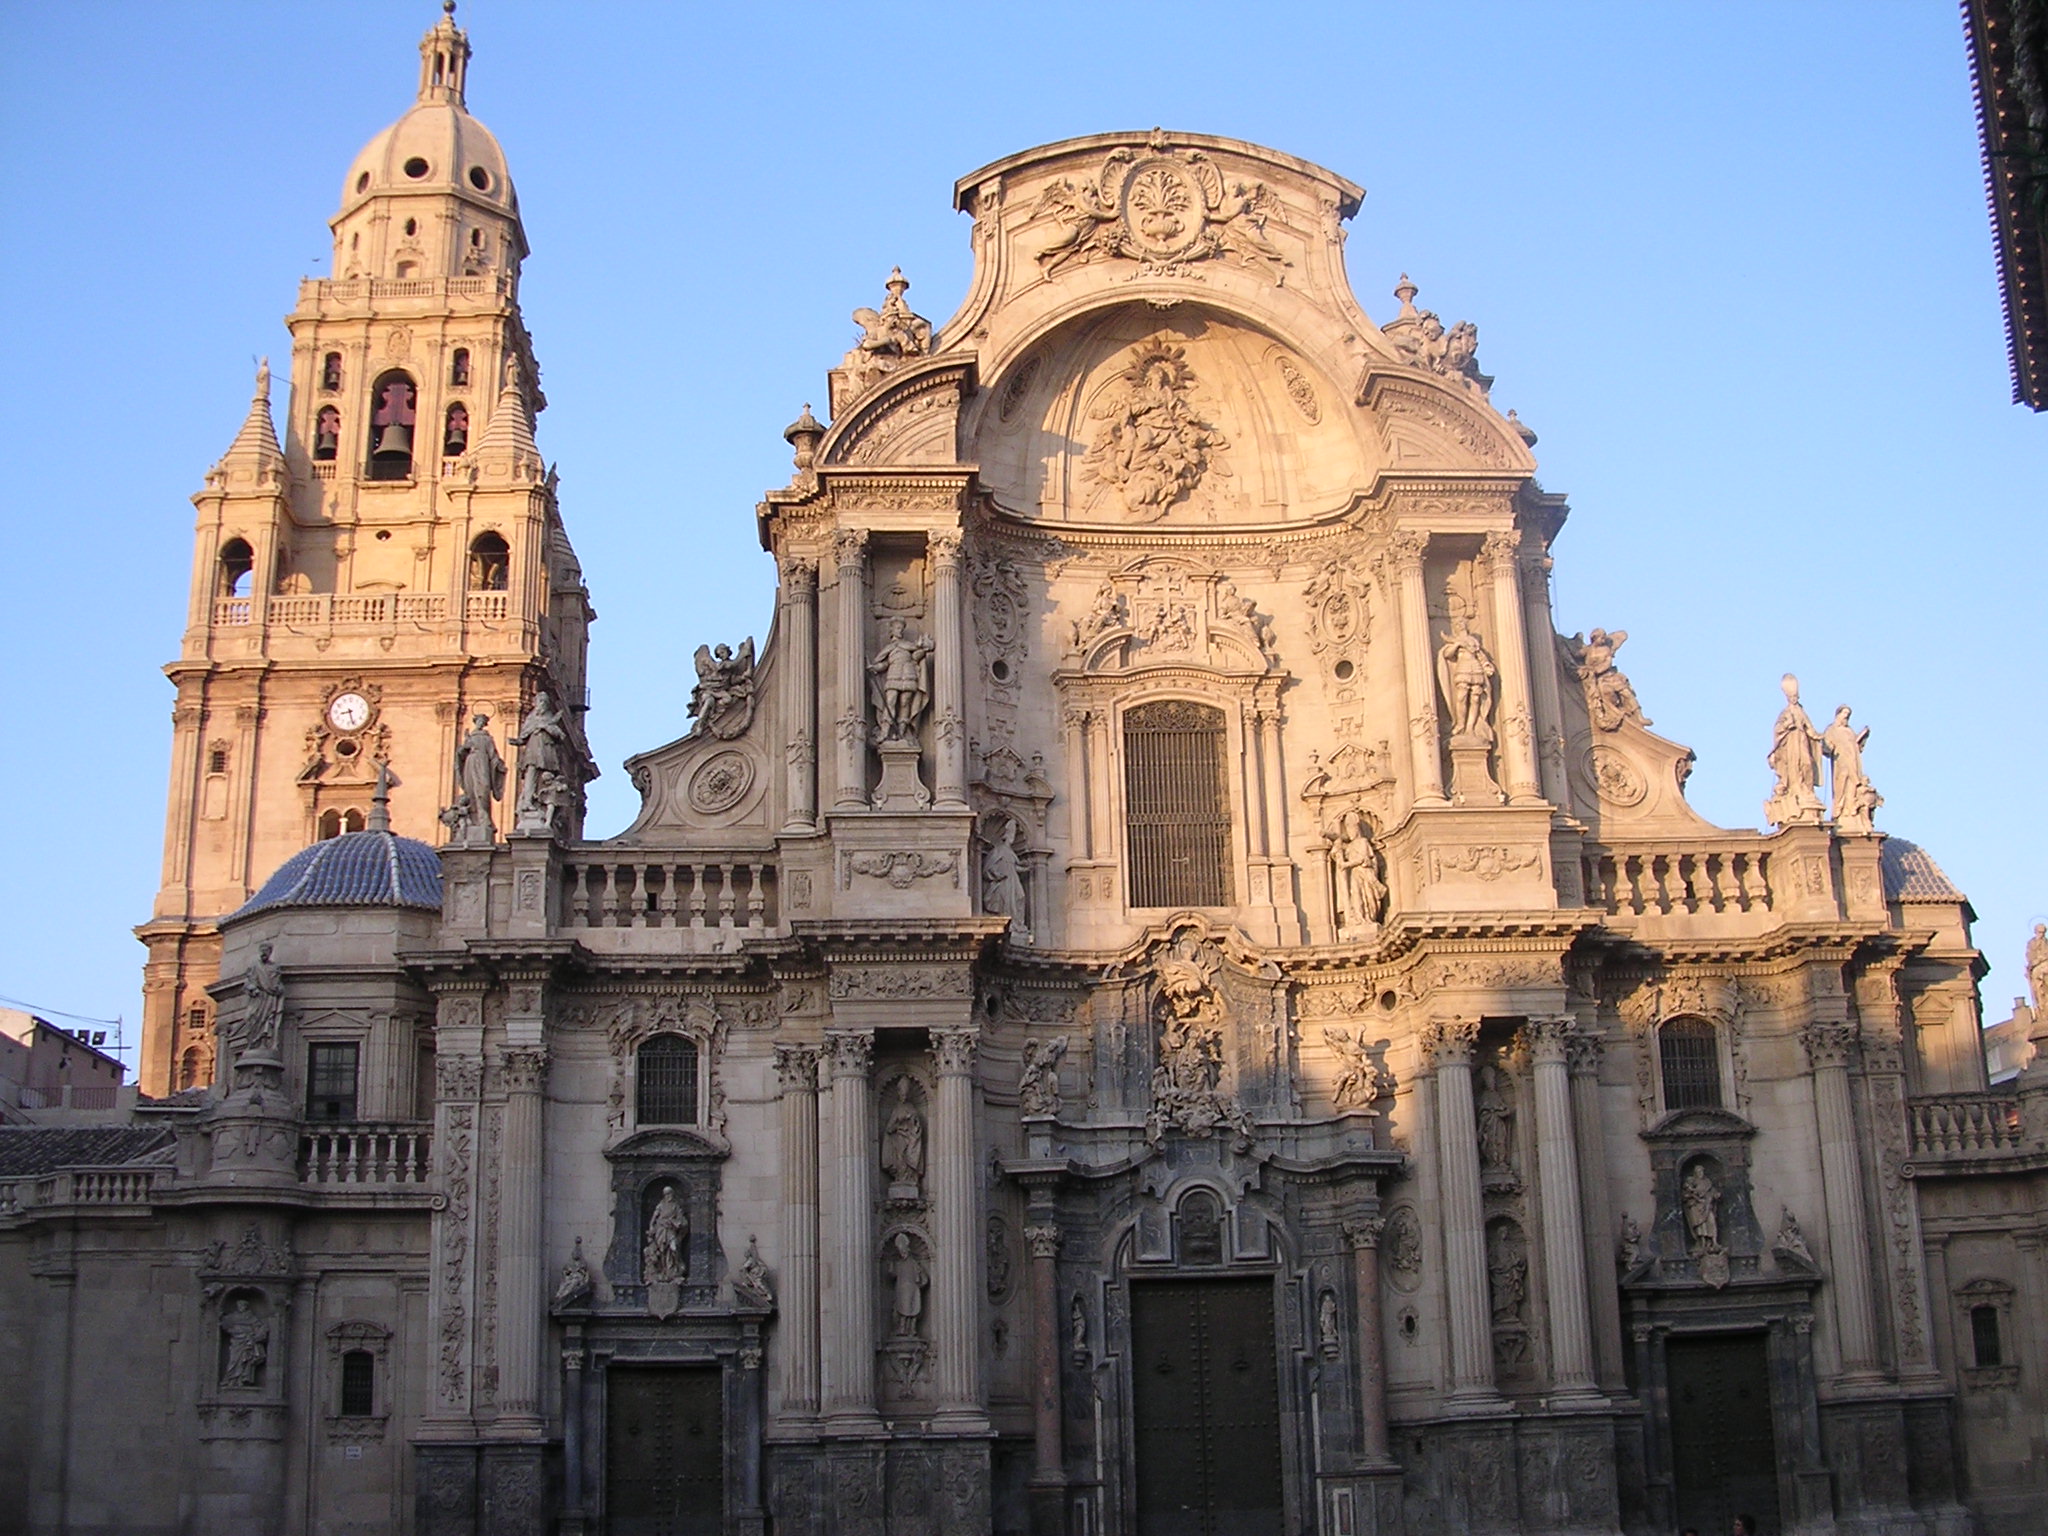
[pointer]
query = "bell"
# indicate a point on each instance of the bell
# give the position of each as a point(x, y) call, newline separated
point(393, 442)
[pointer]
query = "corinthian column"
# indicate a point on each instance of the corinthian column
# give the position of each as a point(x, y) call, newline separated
point(849, 1355)
point(1048, 1467)
point(799, 647)
point(1828, 1046)
point(796, 1069)
point(1405, 547)
point(1512, 649)
point(1364, 1238)
point(956, 1268)
point(1564, 1258)
point(1542, 631)
point(850, 549)
point(949, 705)
point(1448, 1044)
point(522, 1314)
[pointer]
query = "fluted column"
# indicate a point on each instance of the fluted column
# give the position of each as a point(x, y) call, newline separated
point(1080, 807)
point(1512, 655)
point(1595, 1208)
point(796, 1070)
point(1564, 1257)
point(522, 1314)
point(1542, 631)
point(849, 1354)
point(949, 705)
point(1405, 549)
point(1273, 804)
point(1828, 1047)
point(956, 1265)
point(1048, 1469)
point(1449, 1043)
point(850, 551)
point(799, 660)
point(1364, 1237)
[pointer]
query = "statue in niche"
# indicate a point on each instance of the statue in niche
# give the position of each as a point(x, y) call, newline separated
point(1701, 1200)
point(1496, 1113)
point(1153, 449)
point(1795, 759)
point(1364, 893)
point(1854, 797)
point(1077, 1327)
point(1465, 672)
point(543, 743)
point(1187, 1091)
point(1507, 1271)
point(245, 1334)
point(262, 1006)
point(1631, 1244)
point(750, 1284)
point(900, 679)
point(722, 703)
point(1610, 698)
point(2037, 966)
point(479, 781)
point(908, 1277)
point(577, 1282)
point(903, 1145)
point(1038, 1091)
point(1358, 1084)
point(1326, 1322)
point(889, 336)
point(1002, 878)
point(665, 1257)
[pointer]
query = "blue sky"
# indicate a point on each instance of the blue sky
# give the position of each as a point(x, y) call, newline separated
point(1730, 261)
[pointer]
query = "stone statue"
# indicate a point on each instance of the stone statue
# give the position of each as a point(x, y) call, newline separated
point(1854, 797)
point(1610, 700)
point(1326, 1320)
point(1363, 892)
point(1358, 1075)
point(543, 743)
point(262, 1006)
point(908, 1276)
point(1002, 879)
point(1631, 1242)
point(2037, 966)
point(247, 1335)
point(1496, 1114)
point(577, 1282)
point(1077, 1325)
point(1105, 613)
point(1508, 1270)
point(479, 780)
point(723, 700)
point(1702, 1201)
point(1795, 759)
point(1465, 672)
point(1038, 1091)
point(903, 1144)
point(1153, 449)
point(1790, 1239)
point(900, 678)
point(665, 1257)
point(750, 1282)
point(889, 336)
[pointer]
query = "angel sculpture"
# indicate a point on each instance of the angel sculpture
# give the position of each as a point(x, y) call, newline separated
point(1610, 700)
point(1038, 1091)
point(1082, 212)
point(888, 336)
point(723, 700)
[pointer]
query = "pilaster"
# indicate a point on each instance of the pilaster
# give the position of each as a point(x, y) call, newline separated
point(798, 652)
point(1564, 1261)
point(849, 1345)
point(956, 1269)
point(949, 704)
point(1405, 550)
point(850, 553)
point(796, 1070)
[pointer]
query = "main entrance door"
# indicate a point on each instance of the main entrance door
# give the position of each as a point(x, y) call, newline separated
point(1206, 1389)
point(664, 1451)
point(1724, 1448)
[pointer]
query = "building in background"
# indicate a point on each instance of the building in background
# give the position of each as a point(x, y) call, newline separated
point(2009, 65)
point(1165, 996)
point(45, 1067)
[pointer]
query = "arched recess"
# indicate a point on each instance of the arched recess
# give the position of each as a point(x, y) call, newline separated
point(394, 400)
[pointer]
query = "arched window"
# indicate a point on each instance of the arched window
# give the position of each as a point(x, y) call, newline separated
point(1177, 805)
point(326, 433)
point(358, 1384)
point(335, 822)
point(665, 1081)
point(237, 565)
point(455, 431)
point(330, 371)
point(392, 402)
point(490, 563)
point(1690, 1055)
point(458, 367)
point(188, 1067)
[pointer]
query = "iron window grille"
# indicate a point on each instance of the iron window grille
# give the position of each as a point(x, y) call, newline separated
point(1177, 803)
point(665, 1082)
point(331, 1081)
point(1691, 1059)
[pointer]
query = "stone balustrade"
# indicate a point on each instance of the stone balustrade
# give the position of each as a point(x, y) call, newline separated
point(1661, 879)
point(102, 1187)
point(366, 1155)
point(324, 610)
point(670, 890)
point(488, 605)
point(1964, 1127)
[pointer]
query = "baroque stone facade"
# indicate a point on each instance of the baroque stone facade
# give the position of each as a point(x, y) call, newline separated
point(1166, 992)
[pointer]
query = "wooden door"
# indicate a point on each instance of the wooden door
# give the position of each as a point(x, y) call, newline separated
point(1723, 1442)
point(664, 1451)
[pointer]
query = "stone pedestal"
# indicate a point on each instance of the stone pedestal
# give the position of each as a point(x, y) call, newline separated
point(1471, 776)
point(901, 789)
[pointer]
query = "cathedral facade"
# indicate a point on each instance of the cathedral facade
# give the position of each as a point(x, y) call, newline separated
point(1163, 997)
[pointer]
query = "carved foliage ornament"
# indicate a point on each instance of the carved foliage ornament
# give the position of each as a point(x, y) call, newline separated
point(1163, 207)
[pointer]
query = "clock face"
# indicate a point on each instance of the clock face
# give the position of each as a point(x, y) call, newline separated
point(348, 712)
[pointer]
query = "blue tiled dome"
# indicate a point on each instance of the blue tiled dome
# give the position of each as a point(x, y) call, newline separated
point(357, 869)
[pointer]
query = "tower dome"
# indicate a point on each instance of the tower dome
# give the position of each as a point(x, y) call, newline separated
point(372, 868)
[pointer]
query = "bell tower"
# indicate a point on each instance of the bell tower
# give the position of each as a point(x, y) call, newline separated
point(393, 566)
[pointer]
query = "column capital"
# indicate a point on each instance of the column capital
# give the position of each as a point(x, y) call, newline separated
point(1364, 1231)
point(796, 1068)
point(943, 545)
point(853, 1051)
point(1500, 549)
point(1828, 1043)
point(800, 575)
point(1586, 1049)
point(524, 1069)
point(1043, 1238)
point(954, 1049)
point(1547, 1037)
point(1405, 548)
point(1448, 1042)
point(850, 547)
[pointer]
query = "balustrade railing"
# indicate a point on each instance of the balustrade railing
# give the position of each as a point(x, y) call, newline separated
point(489, 605)
point(82, 1186)
point(1639, 879)
point(231, 610)
point(1965, 1125)
point(320, 609)
point(365, 1154)
point(670, 891)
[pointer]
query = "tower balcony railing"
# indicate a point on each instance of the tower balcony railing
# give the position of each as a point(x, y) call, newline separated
point(480, 286)
point(488, 605)
point(711, 893)
point(330, 609)
point(366, 1155)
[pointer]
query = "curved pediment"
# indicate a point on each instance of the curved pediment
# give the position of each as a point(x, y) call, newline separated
point(1428, 425)
point(911, 420)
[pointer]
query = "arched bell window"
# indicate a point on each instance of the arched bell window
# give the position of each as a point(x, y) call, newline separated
point(490, 563)
point(237, 567)
point(393, 408)
point(1689, 1053)
point(330, 372)
point(455, 431)
point(458, 367)
point(327, 433)
point(665, 1082)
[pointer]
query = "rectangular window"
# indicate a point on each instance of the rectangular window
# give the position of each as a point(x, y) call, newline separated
point(1984, 1336)
point(1690, 1054)
point(1177, 801)
point(358, 1384)
point(331, 1081)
